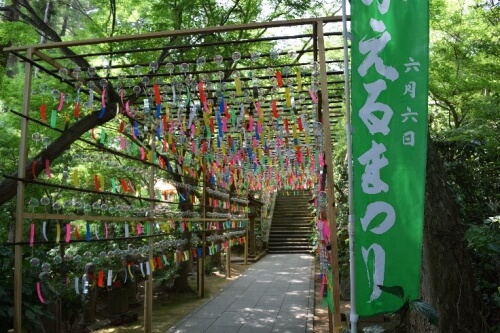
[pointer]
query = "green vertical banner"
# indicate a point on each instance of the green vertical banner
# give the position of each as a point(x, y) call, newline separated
point(390, 52)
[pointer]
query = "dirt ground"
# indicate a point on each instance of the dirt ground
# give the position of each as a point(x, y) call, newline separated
point(170, 309)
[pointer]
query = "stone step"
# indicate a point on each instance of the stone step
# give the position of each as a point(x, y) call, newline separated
point(286, 238)
point(293, 220)
point(287, 244)
point(290, 225)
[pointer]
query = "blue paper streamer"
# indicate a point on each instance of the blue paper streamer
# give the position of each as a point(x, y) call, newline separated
point(101, 113)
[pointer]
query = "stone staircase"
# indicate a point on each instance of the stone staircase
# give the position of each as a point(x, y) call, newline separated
point(291, 225)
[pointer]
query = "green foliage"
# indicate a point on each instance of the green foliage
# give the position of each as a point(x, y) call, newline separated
point(483, 241)
point(164, 278)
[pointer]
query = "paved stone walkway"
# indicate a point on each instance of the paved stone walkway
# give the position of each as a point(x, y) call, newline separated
point(276, 294)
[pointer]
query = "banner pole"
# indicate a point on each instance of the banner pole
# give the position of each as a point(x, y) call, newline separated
point(352, 256)
point(331, 208)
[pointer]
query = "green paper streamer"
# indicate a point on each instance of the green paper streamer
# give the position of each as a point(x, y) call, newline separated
point(103, 136)
point(53, 118)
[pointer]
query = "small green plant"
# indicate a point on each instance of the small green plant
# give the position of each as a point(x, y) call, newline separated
point(408, 306)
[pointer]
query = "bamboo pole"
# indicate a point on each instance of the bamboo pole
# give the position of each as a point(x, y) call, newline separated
point(23, 154)
point(177, 33)
point(337, 325)
point(65, 217)
point(353, 317)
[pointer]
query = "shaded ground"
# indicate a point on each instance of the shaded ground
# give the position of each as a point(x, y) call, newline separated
point(170, 309)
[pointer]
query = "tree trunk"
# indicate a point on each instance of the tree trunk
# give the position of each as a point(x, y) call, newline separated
point(447, 278)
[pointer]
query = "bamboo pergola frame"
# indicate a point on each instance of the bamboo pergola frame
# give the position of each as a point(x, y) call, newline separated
point(39, 56)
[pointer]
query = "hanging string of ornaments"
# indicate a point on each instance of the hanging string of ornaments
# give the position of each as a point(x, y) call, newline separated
point(209, 119)
point(250, 130)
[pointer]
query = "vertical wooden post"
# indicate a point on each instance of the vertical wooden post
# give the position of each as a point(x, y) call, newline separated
point(246, 245)
point(327, 144)
point(23, 152)
point(148, 305)
point(201, 261)
point(228, 260)
point(148, 295)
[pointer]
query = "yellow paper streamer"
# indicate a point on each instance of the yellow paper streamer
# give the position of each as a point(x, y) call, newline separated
point(58, 233)
point(102, 181)
point(287, 97)
point(197, 128)
point(237, 83)
point(299, 81)
point(76, 183)
point(130, 271)
point(152, 264)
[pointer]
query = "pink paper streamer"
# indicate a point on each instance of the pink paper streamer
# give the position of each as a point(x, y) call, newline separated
point(313, 96)
point(39, 292)
point(224, 125)
point(250, 124)
point(103, 98)
point(106, 230)
point(122, 142)
point(321, 160)
point(68, 233)
point(193, 147)
point(322, 291)
point(259, 110)
point(139, 229)
point(127, 109)
point(47, 167)
point(143, 153)
point(61, 102)
point(32, 234)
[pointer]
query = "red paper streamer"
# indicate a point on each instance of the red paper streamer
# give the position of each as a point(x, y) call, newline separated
point(76, 110)
point(299, 123)
point(124, 185)
point(100, 279)
point(77, 234)
point(43, 113)
point(275, 109)
point(96, 183)
point(212, 125)
point(279, 78)
point(122, 126)
point(156, 89)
